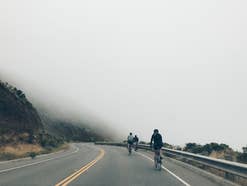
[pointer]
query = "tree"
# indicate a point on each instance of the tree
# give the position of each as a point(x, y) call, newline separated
point(245, 150)
point(193, 147)
point(242, 157)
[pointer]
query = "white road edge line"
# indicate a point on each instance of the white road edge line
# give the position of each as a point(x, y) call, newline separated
point(35, 163)
point(170, 172)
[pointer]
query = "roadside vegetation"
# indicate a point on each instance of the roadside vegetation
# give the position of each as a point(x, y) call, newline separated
point(214, 150)
point(220, 151)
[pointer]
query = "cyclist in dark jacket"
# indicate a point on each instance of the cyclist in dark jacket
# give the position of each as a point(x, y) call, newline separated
point(156, 140)
point(156, 143)
point(136, 140)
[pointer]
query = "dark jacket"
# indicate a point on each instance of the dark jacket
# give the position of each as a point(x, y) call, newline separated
point(156, 139)
point(136, 139)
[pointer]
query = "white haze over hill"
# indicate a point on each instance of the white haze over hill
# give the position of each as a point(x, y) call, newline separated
point(179, 66)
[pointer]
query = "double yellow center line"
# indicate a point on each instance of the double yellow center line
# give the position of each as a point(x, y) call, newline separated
point(75, 175)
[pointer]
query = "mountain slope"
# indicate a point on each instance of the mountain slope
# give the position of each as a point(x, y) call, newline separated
point(16, 113)
point(20, 122)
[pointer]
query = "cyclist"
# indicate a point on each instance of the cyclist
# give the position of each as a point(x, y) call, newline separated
point(130, 140)
point(156, 143)
point(136, 140)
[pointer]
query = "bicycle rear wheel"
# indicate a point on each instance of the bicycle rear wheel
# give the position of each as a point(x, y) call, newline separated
point(159, 166)
point(157, 162)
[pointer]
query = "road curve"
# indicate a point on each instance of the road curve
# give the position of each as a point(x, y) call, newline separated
point(87, 164)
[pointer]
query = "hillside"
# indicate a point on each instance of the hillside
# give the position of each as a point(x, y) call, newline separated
point(17, 115)
point(23, 129)
point(219, 151)
point(70, 130)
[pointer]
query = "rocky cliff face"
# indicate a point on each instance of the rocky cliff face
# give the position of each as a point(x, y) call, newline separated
point(17, 115)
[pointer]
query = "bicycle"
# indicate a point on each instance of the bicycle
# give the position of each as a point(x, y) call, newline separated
point(129, 148)
point(136, 145)
point(157, 159)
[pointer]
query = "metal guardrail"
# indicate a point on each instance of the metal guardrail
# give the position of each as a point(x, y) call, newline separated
point(233, 171)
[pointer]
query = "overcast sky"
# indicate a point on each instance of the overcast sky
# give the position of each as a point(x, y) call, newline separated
point(179, 66)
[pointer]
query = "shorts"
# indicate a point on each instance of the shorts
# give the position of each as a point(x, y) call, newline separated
point(157, 147)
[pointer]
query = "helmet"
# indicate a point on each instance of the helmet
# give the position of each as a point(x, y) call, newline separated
point(156, 130)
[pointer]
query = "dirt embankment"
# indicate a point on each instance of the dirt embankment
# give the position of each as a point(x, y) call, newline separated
point(21, 149)
point(9, 152)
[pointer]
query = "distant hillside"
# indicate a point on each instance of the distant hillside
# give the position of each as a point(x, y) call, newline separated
point(21, 122)
point(17, 115)
point(70, 130)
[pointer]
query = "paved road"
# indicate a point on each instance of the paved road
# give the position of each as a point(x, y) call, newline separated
point(109, 166)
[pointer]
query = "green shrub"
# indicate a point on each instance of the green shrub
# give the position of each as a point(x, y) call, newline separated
point(205, 149)
point(242, 157)
point(32, 154)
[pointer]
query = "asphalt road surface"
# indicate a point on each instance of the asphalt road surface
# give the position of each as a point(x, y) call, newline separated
point(89, 165)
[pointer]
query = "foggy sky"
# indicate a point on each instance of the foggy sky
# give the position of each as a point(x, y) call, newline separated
point(179, 66)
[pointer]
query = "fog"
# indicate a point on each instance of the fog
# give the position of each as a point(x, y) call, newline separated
point(179, 66)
